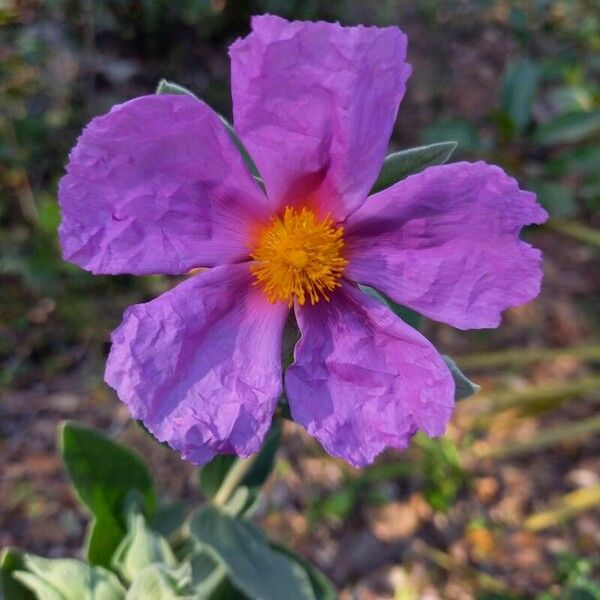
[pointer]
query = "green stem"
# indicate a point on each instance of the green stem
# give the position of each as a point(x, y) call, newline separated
point(233, 479)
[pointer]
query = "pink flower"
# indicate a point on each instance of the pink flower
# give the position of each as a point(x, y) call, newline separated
point(157, 186)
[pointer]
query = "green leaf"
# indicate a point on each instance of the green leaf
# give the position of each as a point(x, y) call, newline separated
point(253, 566)
point(11, 560)
point(168, 518)
point(464, 386)
point(557, 199)
point(213, 474)
point(590, 192)
point(48, 215)
point(442, 470)
point(68, 579)
point(222, 589)
point(209, 575)
point(519, 88)
point(240, 146)
point(401, 164)
point(139, 548)
point(581, 159)
point(409, 316)
point(40, 588)
point(322, 587)
point(103, 536)
point(291, 335)
point(263, 465)
point(105, 475)
point(462, 132)
point(337, 505)
point(159, 582)
point(571, 97)
point(168, 87)
point(568, 128)
point(240, 501)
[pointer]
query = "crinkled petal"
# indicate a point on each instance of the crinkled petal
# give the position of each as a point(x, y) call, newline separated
point(157, 186)
point(364, 380)
point(445, 242)
point(315, 104)
point(200, 365)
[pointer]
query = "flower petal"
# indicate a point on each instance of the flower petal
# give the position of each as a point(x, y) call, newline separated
point(446, 243)
point(364, 380)
point(201, 364)
point(315, 104)
point(157, 186)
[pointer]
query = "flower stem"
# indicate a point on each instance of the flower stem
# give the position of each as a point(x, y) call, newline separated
point(233, 479)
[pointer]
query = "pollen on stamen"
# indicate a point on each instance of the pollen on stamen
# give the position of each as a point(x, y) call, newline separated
point(299, 257)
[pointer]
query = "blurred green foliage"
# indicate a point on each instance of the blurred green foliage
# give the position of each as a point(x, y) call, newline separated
point(214, 552)
point(577, 579)
point(64, 61)
point(545, 128)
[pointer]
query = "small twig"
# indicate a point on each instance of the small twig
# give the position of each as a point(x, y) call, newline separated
point(233, 479)
point(449, 563)
point(568, 507)
point(523, 356)
point(557, 435)
point(533, 396)
point(27, 199)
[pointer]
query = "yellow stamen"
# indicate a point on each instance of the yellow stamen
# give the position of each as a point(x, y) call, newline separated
point(299, 257)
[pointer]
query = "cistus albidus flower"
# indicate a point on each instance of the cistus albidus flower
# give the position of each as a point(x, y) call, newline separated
point(158, 186)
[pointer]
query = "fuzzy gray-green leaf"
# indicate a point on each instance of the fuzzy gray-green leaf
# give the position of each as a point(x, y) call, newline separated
point(68, 579)
point(12, 560)
point(400, 165)
point(139, 548)
point(253, 566)
point(104, 474)
point(569, 127)
point(169, 87)
point(464, 386)
point(414, 319)
point(159, 582)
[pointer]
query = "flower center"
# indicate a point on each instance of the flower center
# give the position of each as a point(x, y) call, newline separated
point(299, 257)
